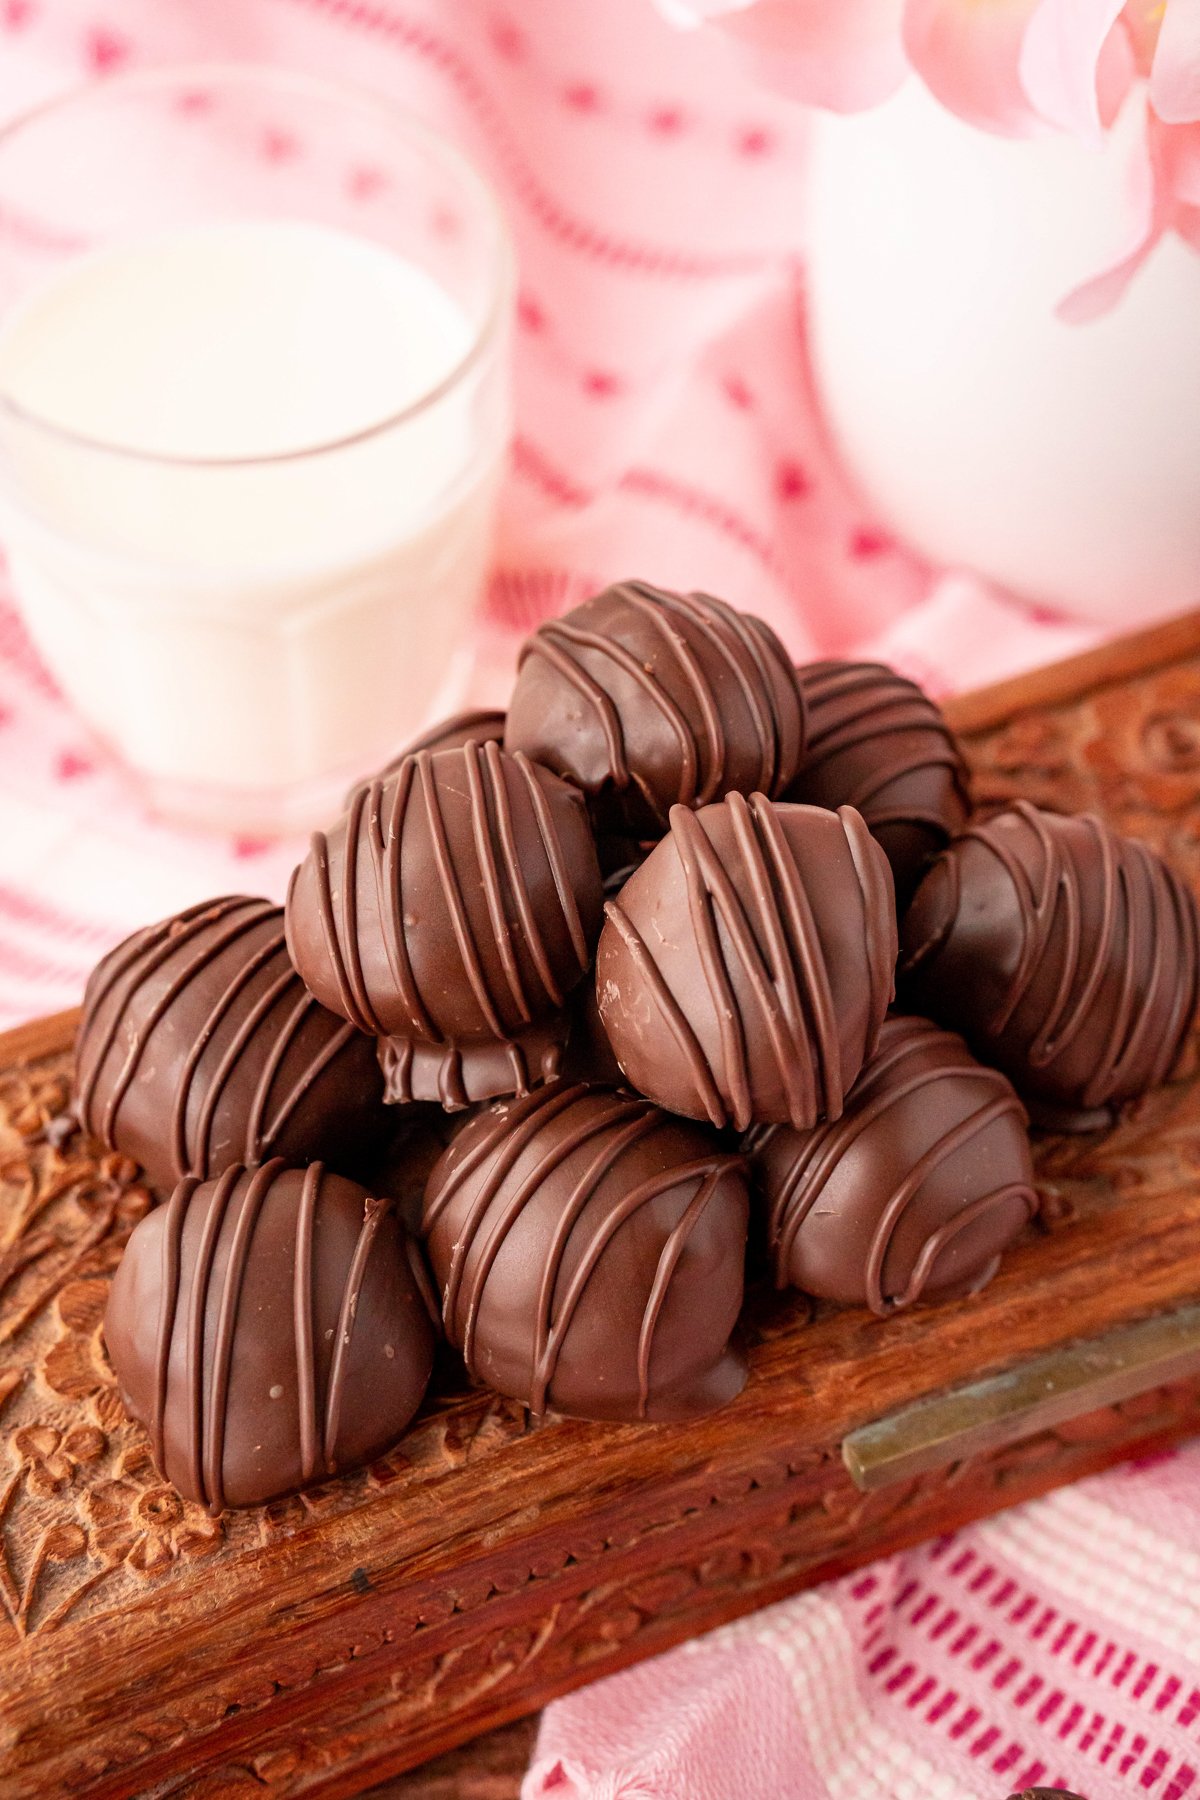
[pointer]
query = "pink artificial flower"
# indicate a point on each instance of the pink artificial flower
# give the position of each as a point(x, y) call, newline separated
point(969, 56)
point(1175, 71)
point(1164, 196)
point(1074, 65)
point(1010, 66)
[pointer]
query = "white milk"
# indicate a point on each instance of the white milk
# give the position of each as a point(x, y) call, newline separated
point(248, 634)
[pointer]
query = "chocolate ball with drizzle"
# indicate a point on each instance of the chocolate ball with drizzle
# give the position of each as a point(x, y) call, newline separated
point(647, 699)
point(269, 1329)
point(589, 1251)
point(199, 1046)
point(877, 743)
point(914, 1192)
point(483, 725)
point(745, 970)
point(450, 913)
point(1066, 955)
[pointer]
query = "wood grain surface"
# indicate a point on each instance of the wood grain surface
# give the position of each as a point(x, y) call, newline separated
point(324, 1643)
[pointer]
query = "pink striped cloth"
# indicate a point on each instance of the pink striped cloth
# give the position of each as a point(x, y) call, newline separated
point(666, 428)
point(1055, 1645)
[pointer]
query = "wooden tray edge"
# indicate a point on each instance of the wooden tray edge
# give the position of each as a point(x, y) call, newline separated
point(45, 1036)
point(1135, 654)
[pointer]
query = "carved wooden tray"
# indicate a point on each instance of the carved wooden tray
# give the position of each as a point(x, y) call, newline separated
point(318, 1645)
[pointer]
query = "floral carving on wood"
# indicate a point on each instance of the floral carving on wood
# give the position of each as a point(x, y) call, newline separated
point(1129, 751)
point(84, 1517)
point(80, 1502)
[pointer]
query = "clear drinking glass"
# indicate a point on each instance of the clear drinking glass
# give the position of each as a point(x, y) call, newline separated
point(248, 630)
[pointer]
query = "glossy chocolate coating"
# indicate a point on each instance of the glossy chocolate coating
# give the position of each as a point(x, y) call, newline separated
point(200, 1046)
point(451, 911)
point(481, 726)
point(914, 1192)
point(589, 1252)
point(268, 1329)
point(646, 699)
point(1066, 955)
point(745, 970)
point(877, 743)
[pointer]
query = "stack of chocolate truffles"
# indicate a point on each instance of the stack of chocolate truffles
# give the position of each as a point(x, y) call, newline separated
point(573, 1001)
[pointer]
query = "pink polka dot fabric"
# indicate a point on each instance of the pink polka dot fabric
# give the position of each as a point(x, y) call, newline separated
point(666, 428)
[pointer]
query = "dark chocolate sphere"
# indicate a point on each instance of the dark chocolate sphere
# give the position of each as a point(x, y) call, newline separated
point(917, 1188)
point(589, 1252)
point(268, 1329)
point(199, 1046)
point(481, 726)
point(646, 699)
point(450, 912)
point(1066, 955)
point(877, 743)
point(745, 970)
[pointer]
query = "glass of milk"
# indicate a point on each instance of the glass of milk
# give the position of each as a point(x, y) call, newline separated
point(254, 407)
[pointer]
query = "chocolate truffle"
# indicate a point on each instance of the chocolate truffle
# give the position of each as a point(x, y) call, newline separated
point(917, 1188)
point(877, 743)
point(744, 971)
point(589, 1251)
point(269, 1330)
point(199, 1046)
point(480, 727)
point(647, 699)
point(450, 912)
point(1066, 956)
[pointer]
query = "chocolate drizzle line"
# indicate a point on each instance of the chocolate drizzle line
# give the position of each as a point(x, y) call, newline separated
point(884, 1087)
point(302, 1303)
point(738, 645)
point(1143, 903)
point(373, 1212)
point(253, 1194)
point(377, 817)
point(850, 704)
point(612, 1127)
point(761, 911)
point(225, 922)
point(137, 960)
point(169, 1290)
point(206, 1396)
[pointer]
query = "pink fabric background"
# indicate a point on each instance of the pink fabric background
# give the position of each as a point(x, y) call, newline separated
point(666, 428)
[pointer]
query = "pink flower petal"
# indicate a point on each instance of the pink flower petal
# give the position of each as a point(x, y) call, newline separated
point(968, 53)
point(1092, 299)
point(1175, 74)
point(1147, 206)
point(1060, 61)
point(1116, 72)
point(1142, 21)
point(839, 54)
point(1187, 224)
point(1179, 156)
